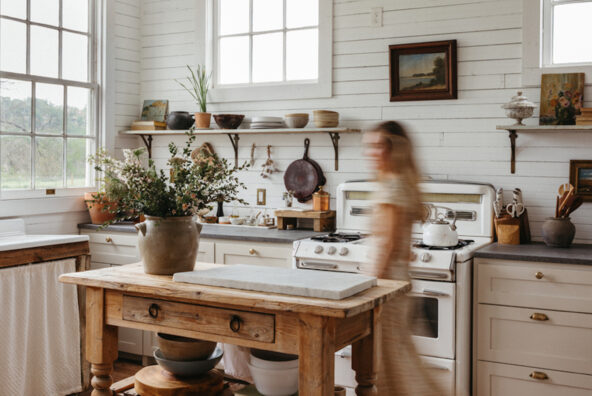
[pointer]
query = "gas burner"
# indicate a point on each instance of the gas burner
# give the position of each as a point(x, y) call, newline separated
point(337, 237)
point(461, 244)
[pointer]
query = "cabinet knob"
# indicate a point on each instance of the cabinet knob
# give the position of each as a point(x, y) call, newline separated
point(252, 251)
point(108, 240)
point(235, 323)
point(539, 316)
point(153, 310)
point(538, 375)
point(539, 275)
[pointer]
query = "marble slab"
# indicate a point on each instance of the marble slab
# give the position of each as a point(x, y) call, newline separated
point(295, 282)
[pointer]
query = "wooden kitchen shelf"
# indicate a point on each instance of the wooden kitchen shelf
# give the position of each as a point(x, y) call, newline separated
point(513, 134)
point(233, 135)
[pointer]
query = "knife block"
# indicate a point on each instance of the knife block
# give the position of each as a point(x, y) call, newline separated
point(511, 230)
point(322, 221)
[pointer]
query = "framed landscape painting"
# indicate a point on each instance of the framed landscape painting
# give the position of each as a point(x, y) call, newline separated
point(154, 110)
point(562, 96)
point(580, 176)
point(423, 71)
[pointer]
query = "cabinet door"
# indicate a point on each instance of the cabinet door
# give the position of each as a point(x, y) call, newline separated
point(130, 340)
point(205, 252)
point(495, 379)
point(255, 253)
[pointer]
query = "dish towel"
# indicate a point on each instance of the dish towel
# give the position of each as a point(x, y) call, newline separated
point(39, 331)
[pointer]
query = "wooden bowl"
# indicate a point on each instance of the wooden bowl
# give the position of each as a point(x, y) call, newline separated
point(184, 349)
point(228, 121)
point(296, 120)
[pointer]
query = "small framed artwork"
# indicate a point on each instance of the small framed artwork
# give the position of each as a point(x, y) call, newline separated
point(154, 110)
point(580, 176)
point(562, 97)
point(423, 71)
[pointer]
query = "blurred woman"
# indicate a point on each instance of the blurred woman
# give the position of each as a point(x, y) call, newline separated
point(397, 206)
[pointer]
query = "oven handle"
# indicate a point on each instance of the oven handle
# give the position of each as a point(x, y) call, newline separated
point(319, 266)
point(428, 275)
point(434, 293)
point(436, 367)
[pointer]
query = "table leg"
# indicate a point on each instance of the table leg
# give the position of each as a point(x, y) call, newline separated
point(101, 342)
point(316, 348)
point(365, 358)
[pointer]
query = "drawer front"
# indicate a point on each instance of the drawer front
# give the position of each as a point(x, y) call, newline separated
point(226, 322)
point(494, 379)
point(539, 285)
point(254, 254)
point(205, 252)
point(112, 238)
point(533, 337)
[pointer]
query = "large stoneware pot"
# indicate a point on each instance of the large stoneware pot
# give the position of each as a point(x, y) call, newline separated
point(558, 232)
point(168, 244)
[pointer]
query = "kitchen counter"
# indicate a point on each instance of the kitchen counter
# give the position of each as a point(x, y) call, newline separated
point(218, 231)
point(539, 252)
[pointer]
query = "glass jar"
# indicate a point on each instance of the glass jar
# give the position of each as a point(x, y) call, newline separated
point(320, 200)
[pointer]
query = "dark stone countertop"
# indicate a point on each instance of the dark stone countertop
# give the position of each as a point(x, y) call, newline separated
point(218, 231)
point(576, 254)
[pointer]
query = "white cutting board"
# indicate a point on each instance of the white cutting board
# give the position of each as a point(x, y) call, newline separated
point(295, 282)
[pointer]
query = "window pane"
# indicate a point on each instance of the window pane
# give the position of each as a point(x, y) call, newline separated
point(14, 8)
point(49, 162)
point(75, 14)
point(49, 108)
point(268, 15)
point(234, 60)
point(78, 111)
point(571, 33)
point(15, 162)
point(76, 165)
point(44, 51)
point(13, 46)
point(302, 54)
point(268, 55)
point(45, 11)
point(15, 106)
point(74, 57)
point(301, 13)
point(234, 16)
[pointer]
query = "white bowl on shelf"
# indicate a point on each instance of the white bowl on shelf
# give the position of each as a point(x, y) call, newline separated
point(273, 360)
point(279, 382)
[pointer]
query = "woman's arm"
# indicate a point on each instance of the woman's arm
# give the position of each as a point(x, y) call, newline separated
point(390, 228)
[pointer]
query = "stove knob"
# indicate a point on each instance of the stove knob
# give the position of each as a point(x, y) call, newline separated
point(332, 250)
point(318, 249)
point(425, 257)
point(343, 251)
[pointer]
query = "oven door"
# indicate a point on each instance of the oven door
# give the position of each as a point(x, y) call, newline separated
point(433, 318)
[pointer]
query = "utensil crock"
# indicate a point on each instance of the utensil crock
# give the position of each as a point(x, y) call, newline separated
point(558, 232)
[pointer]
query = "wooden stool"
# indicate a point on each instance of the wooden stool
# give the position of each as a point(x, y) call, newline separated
point(322, 221)
point(154, 381)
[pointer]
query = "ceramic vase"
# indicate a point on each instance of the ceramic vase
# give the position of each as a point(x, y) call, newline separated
point(202, 120)
point(558, 232)
point(179, 120)
point(220, 210)
point(168, 244)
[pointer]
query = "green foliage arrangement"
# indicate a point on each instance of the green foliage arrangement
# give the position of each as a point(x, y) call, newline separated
point(198, 86)
point(190, 186)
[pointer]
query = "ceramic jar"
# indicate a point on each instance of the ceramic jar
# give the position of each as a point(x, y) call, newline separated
point(179, 120)
point(558, 232)
point(519, 108)
point(168, 244)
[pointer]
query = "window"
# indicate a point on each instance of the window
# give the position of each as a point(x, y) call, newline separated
point(257, 45)
point(48, 95)
point(566, 32)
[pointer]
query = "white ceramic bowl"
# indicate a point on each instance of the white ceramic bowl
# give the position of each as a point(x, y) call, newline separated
point(296, 120)
point(275, 382)
point(237, 221)
point(271, 365)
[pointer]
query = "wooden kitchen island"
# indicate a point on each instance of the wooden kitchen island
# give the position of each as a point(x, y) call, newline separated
point(312, 328)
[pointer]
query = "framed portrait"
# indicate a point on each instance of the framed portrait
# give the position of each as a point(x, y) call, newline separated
point(580, 176)
point(423, 71)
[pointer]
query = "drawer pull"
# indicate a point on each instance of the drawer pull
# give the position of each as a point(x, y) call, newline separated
point(539, 275)
point(108, 240)
point(153, 310)
point(538, 375)
point(539, 316)
point(252, 252)
point(235, 323)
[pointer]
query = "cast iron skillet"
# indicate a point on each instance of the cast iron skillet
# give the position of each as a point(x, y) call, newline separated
point(304, 176)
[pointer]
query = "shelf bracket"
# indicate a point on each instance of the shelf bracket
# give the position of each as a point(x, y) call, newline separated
point(234, 138)
point(335, 140)
point(513, 136)
point(148, 143)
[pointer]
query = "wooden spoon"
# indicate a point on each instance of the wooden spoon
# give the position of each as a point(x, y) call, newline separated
point(566, 202)
point(576, 203)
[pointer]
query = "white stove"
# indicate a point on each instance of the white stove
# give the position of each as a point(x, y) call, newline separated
point(441, 277)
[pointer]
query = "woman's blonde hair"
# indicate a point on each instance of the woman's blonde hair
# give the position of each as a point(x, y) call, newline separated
point(403, 163)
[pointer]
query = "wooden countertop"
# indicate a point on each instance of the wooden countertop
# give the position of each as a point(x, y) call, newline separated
point(131, 278)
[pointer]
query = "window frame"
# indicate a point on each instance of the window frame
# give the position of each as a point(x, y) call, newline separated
point(94, 104)
point(297, 89)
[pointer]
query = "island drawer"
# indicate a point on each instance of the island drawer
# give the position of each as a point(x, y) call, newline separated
point(227, 322)
point(562, 287)
point(533, 337)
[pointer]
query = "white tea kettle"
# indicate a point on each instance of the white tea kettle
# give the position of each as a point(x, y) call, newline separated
point(439, 232)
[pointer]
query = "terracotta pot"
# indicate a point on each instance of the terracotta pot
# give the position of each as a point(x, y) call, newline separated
point(202, 120)
point(558, 232)
point(99, 209)
point(168, 244)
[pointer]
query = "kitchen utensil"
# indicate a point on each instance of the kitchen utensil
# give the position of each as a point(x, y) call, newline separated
point(269, 166)
point(188, 368)
point(438, 231)
point(228, 121)
point(498, 204)
point(565, 188)
point(303, 177)
point(178, 120)
point(515, 209)
point(517, 196)
point(296, 120)
point(577, 202)
point(566, 201)
point(179, 348)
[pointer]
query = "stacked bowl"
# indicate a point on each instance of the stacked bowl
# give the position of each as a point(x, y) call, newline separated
point(186, 357)
point(274, 374)
point(326, 118)
point(296, 120)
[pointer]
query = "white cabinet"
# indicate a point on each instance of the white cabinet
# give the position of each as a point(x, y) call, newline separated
point(532, 328)
point(254, 253)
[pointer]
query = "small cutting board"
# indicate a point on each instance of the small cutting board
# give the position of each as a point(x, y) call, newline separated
point(295, 282)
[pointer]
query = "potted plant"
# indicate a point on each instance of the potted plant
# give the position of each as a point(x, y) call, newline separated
point(198, 86)
point(101, 204)
point(169, 237)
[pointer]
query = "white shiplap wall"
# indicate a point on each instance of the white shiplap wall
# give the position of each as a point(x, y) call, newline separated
point(455, 139)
